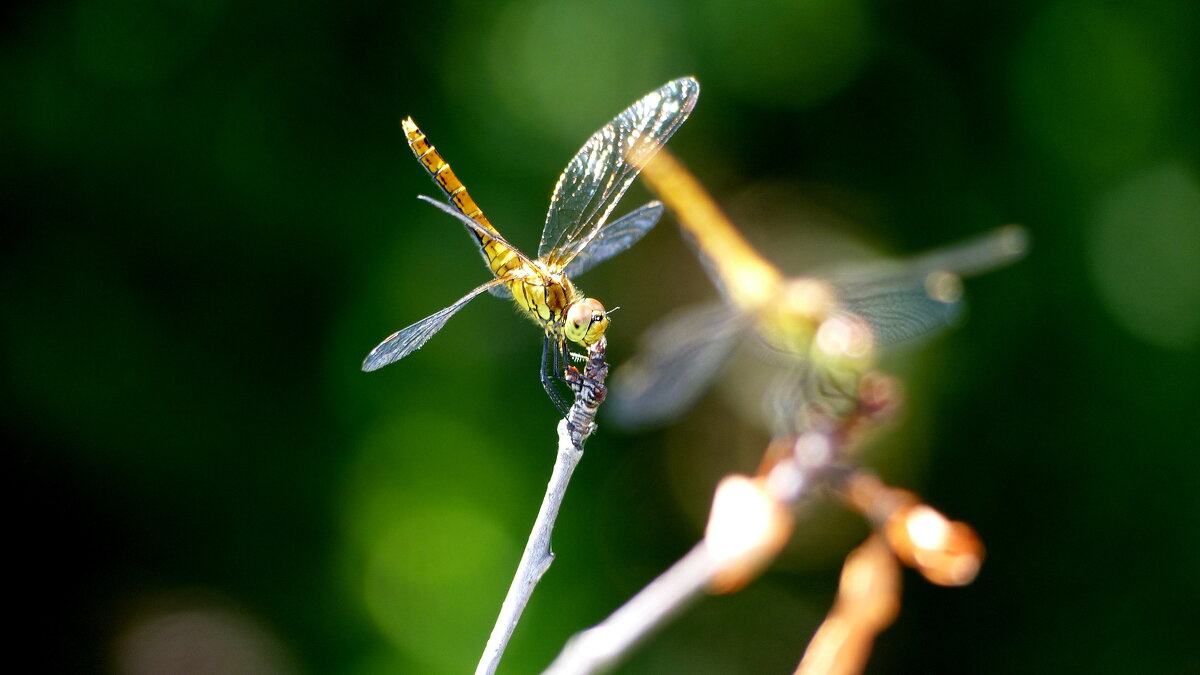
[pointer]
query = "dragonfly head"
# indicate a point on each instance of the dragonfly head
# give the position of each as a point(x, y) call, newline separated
point(585, 322)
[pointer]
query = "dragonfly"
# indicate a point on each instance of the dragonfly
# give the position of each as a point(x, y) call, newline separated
point(576, 237)
point(820, 334)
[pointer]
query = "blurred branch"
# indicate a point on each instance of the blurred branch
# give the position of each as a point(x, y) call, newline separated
point(573, 430)
point(604, 644)
point(868, 601)
point(834, 396)
point(751, 520)
point(945, 552)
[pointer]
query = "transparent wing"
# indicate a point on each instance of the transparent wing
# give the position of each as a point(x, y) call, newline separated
point(475, 228)
point(602, 170)
point(404, 342)
point(500, 291)
point(900, 315)
point(904, 301)
point(710, 267)
point(984, 253)
point(679, 359)
point(615, 237)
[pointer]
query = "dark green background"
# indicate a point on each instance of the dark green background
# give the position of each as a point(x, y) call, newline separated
point(211, 218)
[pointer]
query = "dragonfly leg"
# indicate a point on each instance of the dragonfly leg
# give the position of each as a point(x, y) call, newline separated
point(552, 373)
point(568, 371)
point(573, 376)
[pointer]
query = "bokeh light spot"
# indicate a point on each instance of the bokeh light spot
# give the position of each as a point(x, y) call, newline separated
point(424, 514)
point(198, 637)
point(1090, 86)
point(1145, 255)
point(795, 51)
point(425, 580)
point(427, 458)
point(556, 64)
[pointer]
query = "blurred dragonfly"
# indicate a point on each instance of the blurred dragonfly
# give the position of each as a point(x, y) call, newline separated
point(574, 239)
point(821, 334)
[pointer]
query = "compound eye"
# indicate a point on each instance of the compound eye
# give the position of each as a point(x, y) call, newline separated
point(579, 316)
point(586, 321)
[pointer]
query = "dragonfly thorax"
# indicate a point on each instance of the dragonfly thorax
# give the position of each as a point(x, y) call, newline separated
point(789, 320)
point(543, 297)
point(551, 300)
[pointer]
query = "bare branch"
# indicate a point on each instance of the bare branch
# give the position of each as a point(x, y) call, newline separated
point(572, 432)
point(752, 518)
point(749, 523)
point(602, 645)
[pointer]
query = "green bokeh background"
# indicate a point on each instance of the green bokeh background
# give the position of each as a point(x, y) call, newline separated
point(211, 219)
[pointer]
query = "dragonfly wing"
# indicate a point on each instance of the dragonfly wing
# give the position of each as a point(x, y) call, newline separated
point(404, 342)
point(475, 227)
point(499, 290)
point(898, 314)
point(919, 296)
point(679, 358)
point(615, 237)
point(709, 266)
point(598, 175)
point(977, 255)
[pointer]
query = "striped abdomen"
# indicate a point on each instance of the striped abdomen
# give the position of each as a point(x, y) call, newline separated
point(499, 257)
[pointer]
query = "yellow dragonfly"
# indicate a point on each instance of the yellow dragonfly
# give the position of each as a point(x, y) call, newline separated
point(821, 334)
point(576, 236)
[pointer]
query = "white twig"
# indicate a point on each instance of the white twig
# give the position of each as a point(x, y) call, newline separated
point(537, 557)
point(573, 430)
point(751, 520)
point(600, 646)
